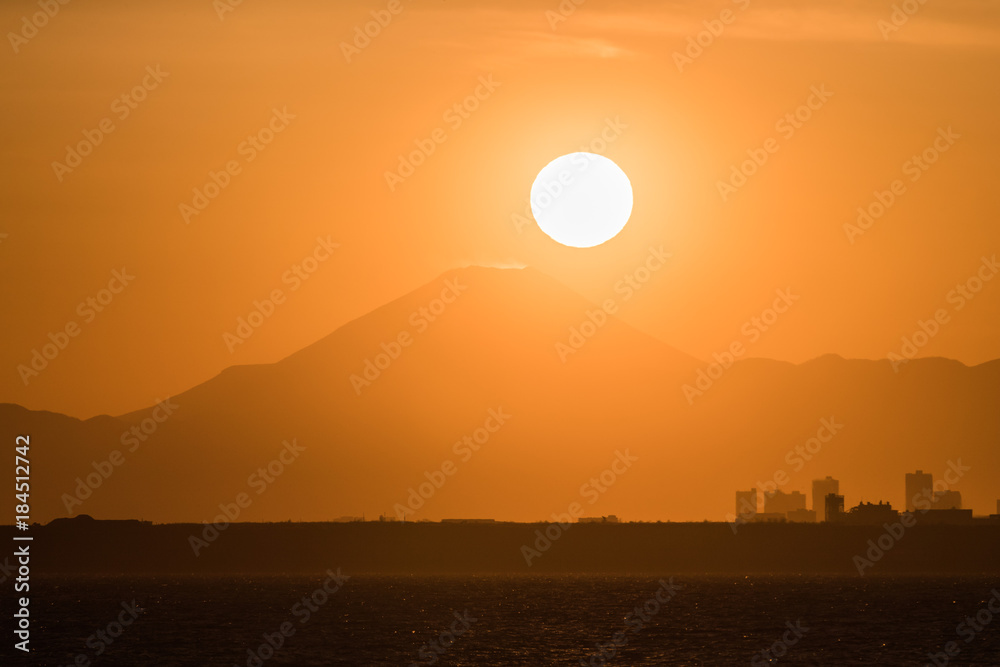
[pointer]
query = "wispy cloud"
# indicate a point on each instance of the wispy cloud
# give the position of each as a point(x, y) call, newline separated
point(516, 32)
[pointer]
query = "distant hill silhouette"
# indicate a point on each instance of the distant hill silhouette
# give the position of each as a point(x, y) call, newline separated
point(494, 347)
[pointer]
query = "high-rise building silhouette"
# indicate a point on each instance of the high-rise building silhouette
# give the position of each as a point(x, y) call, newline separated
point(821, 489)
point(947, 500)
point(918, 484)
point(746, 504)
point(779, 502)
point(833, 507)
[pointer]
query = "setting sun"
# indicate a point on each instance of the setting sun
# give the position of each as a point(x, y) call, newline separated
point(581, 199)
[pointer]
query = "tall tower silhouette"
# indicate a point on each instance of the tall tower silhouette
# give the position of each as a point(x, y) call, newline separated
point(821, 489)
point(918, 484)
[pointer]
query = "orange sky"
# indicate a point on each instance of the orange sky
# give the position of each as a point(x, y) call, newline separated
point(607, 68)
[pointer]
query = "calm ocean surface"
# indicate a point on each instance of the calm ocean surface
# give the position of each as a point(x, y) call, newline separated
point(513, 620)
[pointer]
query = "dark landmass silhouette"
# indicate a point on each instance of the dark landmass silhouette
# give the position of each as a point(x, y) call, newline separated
point(495, 347)
point(76, 546)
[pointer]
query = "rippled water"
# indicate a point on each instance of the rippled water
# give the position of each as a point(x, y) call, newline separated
point(514, 620)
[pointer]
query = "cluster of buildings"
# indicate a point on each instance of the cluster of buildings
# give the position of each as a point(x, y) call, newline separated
point(931, 507)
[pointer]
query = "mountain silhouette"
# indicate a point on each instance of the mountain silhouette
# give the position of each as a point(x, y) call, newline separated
point(363, 417)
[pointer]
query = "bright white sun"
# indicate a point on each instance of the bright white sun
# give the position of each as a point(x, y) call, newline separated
point(581, 199)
